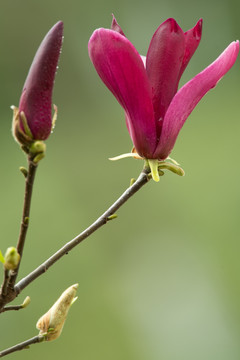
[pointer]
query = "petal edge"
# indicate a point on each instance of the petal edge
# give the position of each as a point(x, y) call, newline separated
point(189, 95)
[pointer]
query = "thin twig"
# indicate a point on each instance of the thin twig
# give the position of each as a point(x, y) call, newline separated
point(103, 219)
point(32, 168)
point(12, 307)
point(5, 282)
point(25, 303)
point(7, 293)
point(22, 345)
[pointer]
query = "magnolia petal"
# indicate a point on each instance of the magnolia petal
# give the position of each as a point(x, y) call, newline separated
point(189, 95)
point(164, 61)
point(192, 40)
point(121, 68)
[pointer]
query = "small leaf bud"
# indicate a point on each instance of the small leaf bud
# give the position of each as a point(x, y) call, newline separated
point(132, 181)
point(1, 257)
point(11, 258)
point(26, 302)
point(111, 217)
point(23, 171)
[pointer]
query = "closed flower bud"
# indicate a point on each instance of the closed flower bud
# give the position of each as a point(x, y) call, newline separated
point(33, 120)
point(11, 258)
point(51, 323)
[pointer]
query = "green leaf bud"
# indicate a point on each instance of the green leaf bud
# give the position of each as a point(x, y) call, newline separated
point(11, 258)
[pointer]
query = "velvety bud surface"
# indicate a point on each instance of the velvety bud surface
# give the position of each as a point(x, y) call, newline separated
point(36, 98)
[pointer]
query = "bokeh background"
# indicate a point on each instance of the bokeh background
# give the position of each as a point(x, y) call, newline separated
point(163, 280)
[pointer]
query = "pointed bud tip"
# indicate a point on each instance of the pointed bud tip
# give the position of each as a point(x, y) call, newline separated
point(59, 24)
point(75, 286)
point(57, 27)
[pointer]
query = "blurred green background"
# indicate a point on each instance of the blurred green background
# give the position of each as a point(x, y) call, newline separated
point(163, 280)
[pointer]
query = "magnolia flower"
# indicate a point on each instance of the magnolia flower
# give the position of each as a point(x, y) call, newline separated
point(147, 88)
point(33, 119)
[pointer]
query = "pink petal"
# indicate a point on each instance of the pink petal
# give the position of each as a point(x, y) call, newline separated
point(121, 69)
point(189, 95)
point(192, 40)
point(164, 61)
point(36, 98)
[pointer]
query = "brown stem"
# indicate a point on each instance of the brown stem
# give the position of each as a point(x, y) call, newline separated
point(7, 292)
point(142, 180)
point(32, 167)
point(22, 345)
point(13, 307)
point(5, 282)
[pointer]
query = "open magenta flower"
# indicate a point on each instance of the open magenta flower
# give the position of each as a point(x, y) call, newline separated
point(33, 119)
point(147, 87)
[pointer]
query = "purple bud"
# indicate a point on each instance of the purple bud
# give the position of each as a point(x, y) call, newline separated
point(36, 98)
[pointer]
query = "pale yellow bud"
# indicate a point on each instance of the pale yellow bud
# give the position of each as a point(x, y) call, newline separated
point(11, 258)
point(51, 323)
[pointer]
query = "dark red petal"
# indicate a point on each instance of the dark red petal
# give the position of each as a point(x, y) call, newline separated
point(164, 61)
point(192, 40)
point(189, 95)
